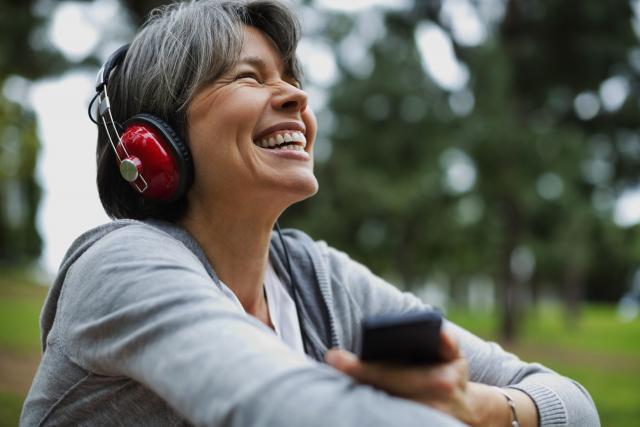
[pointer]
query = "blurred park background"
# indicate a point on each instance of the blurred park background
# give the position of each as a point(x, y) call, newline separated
point(484, 154)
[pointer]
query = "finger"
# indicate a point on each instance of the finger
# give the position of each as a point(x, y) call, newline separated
point(391, 378)
point(449, 349)
point(438, 381)
point(342, 360)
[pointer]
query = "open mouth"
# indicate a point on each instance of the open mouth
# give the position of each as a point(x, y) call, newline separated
point(283, 140)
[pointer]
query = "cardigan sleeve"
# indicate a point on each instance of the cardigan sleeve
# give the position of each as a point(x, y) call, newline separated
point(560, 401)
point(138, 304)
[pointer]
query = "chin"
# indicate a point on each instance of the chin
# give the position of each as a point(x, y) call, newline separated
point(301, 189)
point(307, 188)
point(312, 188)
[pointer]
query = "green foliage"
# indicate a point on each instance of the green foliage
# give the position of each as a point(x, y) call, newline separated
point(24, 52)
point(24, 49)
point(19, 191)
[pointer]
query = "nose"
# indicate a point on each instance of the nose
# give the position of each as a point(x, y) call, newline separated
point(290, 98)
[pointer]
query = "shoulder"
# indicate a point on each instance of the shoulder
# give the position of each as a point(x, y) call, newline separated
point(128, 240)
point(129, 258)
point(125, 263)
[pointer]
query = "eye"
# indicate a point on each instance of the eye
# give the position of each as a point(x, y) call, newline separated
point(247, 75)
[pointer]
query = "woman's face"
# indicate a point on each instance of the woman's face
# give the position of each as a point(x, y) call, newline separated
point(251, 132)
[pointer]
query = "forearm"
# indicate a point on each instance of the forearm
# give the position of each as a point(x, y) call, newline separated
point(238, 375)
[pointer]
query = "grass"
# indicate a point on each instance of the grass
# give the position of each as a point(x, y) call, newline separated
point(10, 407)
point(600, 352)
point(598, 331)
point(19, 330)
point(20, 304)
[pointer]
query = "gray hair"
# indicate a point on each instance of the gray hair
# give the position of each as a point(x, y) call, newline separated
point(182, 48)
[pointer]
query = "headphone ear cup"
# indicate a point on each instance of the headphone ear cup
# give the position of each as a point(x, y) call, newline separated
point(162, 158)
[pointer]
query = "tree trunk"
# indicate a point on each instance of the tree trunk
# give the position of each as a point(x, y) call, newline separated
point(509, 295)
point(535, 293)
point(573, 294)
point(405, 255)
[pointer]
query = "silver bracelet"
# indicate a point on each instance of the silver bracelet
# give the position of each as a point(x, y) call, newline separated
point(512, 405)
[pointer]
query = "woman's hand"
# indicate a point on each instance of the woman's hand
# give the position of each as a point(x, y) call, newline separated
point(444, 386)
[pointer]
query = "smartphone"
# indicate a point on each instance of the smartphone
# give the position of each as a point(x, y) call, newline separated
point(409, 338)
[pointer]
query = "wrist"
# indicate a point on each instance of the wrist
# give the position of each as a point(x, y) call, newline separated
point(515, 422)
point(490, 406)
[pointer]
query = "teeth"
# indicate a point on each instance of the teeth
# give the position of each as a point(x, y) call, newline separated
point(292, 147)
point(299, 137)
point(281, 138)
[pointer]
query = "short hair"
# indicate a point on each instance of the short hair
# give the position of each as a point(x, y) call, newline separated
point(180, 49)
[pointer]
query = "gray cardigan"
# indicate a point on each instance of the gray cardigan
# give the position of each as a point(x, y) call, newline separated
point(135, 332)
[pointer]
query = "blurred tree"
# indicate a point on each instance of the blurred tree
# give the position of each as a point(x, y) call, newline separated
point(537, 211)
point(566, 55)
point(547, 133)
point(19, 191)
point(26, 55)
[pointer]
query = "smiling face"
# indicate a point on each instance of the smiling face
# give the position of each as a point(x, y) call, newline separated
point(251, 132)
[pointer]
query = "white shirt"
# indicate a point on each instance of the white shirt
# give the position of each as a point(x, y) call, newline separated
point(282, 309)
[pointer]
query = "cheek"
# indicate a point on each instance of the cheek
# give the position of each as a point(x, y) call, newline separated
point(311, 124)
point(220, 141)
point(220, 128)
point(204, 145)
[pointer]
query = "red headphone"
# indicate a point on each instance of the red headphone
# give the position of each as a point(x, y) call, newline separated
point(150, 154)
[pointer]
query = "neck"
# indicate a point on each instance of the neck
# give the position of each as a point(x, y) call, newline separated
point(236, 243)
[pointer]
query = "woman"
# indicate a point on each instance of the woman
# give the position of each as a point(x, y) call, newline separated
point(185, 310)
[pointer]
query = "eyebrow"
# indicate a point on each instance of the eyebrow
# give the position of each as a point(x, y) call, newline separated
point(255, 61)
point(260, 64)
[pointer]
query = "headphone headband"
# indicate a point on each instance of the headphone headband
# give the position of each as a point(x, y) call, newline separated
point(110, 64)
